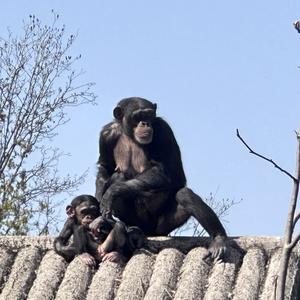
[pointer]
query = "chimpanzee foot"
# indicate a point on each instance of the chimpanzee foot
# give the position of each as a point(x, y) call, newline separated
point(217, 250)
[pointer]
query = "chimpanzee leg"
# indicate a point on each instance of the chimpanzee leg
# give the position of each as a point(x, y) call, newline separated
point(116, 177)
point(118, 187)
point(190, 204)
point(109, 199)
point(174, 218)
point(116, 238)
point(196, 207)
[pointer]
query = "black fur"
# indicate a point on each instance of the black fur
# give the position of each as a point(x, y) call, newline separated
point(157, 199)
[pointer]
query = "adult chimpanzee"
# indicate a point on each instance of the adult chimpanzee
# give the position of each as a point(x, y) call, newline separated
point(111, 241)
point(141, 179)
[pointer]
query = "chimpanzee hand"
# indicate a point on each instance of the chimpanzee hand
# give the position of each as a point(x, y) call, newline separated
point(98, 225)
point(113, 256)
point(216, 250)
point(88, 259)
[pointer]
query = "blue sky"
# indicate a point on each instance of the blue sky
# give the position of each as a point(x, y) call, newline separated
point(212, 67)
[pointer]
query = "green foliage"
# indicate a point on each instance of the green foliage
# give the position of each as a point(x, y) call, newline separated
point(37, 84)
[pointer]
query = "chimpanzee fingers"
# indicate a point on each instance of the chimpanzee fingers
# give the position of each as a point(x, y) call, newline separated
point(215, 255)
point(219, 255)
point(95, 224)
point(107, 257)
point(91, 262)
point(113, 256)
point(207, 257)
point(88, 259)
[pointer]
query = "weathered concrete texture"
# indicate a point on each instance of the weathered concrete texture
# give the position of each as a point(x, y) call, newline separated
point(44, 242)
point(6, 260)
point(76, 281)
point(193, 276)
point(165, 273)
point(168, 268)
point(105, 282)
point(221, 279)
point(49, 276)
point(136, 276)
point(251, 275)
point(22, 274)
point(272, 276)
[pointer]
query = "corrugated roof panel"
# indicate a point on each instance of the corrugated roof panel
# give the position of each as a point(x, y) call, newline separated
point(169, 268)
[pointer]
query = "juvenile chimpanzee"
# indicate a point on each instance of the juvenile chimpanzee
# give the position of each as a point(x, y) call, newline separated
point(110, 241)
point(141, 179)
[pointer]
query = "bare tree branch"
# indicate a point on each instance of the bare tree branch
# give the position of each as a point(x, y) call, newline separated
point(288, 243)
point(297, 217)
point(263, 157)
point(294, 242)
point(37, 84)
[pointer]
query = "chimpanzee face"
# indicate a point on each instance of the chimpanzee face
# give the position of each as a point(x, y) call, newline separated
point(136, 116)
point(86, 212)
point(142, 125)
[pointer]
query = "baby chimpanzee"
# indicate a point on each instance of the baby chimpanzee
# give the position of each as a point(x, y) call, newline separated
point(111, 241)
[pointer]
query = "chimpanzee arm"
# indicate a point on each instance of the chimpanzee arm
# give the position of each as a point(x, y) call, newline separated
point(60, 242)
point(108, 139)
point(82, 241)
point(151, 180)
point(165, 150)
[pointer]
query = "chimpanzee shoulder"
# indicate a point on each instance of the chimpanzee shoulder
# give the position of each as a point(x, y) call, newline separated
point(111, 132)
point(109, 136)
point(164, 149)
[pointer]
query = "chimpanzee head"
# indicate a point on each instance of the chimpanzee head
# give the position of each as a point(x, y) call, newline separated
point(136, 116)
point(84, 209)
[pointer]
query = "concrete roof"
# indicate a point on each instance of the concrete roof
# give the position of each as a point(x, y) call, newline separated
point(173, 269)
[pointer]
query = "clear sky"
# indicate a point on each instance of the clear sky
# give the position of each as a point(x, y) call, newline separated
point(212, 67)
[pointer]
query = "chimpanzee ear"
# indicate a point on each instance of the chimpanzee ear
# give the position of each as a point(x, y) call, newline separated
point(118, 113)
point(154, 107)
point(70, 211)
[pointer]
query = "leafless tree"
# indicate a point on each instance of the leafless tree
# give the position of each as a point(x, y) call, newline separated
point(37, 84)
point(290, 239)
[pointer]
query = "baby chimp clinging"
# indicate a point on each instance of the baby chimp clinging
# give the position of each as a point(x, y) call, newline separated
point(111, 241)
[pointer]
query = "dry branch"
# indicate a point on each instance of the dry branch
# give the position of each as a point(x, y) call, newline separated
point(288, 242)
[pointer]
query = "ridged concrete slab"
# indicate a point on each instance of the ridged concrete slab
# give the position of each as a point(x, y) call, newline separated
point(168, 268)
point(193, 276)
point(164, 276)
point(49, 277)
point(106, 281)
point(251, 275)
point(136, 276)
point(22, 274)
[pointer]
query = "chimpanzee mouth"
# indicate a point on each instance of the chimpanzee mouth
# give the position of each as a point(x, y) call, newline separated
point(86, 223)
point(144, 134)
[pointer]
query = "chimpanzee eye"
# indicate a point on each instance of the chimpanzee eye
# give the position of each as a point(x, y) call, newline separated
point(84, 211)
point(89, 211)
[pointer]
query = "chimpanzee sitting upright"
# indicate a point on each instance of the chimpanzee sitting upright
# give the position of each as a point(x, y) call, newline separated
point(111, 241)
point(141, 179)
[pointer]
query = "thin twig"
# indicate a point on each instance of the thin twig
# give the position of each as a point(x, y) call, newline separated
point(265, 158)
